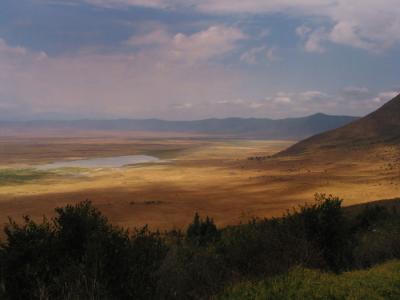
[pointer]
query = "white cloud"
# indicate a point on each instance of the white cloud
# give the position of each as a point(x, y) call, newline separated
point(348, 34)
point(241, 104)
point(185, 105)
point(385, 96)
point(237, 101)
point(213, 42)
point(367, 24)
point(201, 46)
point(302, 31)
point(141, 85)
point(259, 54)
point(314, 41)
point(256, 105)
point(216, 6)
point(272, 54)
point(156, 37)
point(124, 3)
point(340, 103)
point(356, 89)
point(260, 6)
point(356, 93)
point(6, 49)
point(313, 96)
point(111, 85)
point(251, 56)
point(283, 99)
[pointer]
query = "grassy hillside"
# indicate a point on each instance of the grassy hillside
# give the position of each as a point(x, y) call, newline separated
point(381, 282)
point(382, 127)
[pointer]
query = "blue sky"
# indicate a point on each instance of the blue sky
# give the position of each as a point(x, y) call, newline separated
point(191, 59)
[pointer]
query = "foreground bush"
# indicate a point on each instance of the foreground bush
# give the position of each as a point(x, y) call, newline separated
point(382, 282)
point(80, 255)
point(381, 242)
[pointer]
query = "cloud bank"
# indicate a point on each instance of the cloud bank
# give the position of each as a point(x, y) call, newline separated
point(215, 65)
point(366, 24)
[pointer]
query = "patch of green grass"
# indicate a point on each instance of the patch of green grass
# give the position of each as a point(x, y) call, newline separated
point(381, 282)
point(20, 176)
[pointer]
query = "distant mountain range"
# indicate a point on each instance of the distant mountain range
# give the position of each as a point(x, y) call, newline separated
point(290, 128)
point(381, 127)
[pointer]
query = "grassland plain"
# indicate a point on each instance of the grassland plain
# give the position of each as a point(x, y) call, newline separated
point(21, 176)
point(379, 283)
point(230, 180)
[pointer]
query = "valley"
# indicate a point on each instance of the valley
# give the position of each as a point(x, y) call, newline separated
point(229, 180)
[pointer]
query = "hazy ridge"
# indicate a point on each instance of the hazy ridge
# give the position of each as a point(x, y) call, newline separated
point(290, 128)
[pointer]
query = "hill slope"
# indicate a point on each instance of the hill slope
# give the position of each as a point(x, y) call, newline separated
point(380, 282)
point(381, 127)
point(291, 128)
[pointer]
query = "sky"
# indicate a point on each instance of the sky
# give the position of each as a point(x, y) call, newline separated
point(196, 59)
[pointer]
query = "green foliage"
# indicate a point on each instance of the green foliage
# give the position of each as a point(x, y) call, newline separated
point(264, 247)
point(324, 225)
point(371, 215)
point(379, 243)
point(192, 269)
point(26, 259)
point(191, 273)
point(381, 282)
point(201, 232)
point(80, 255)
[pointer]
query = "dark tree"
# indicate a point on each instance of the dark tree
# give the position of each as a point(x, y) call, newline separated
point(201, 232)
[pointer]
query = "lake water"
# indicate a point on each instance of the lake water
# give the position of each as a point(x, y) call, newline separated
point(104, 162)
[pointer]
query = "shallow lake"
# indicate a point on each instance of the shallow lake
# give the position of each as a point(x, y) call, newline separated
point(104, 162)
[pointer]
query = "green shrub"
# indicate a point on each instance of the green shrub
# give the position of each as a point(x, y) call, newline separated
point(324, 225)
point(263, 248)
point(379, 243)
point(370, 216)
point(79, 255)
point(202, 232)
point(27, 259)
point(191, 273)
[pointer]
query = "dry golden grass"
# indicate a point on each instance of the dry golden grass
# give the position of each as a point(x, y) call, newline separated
point(212, 177)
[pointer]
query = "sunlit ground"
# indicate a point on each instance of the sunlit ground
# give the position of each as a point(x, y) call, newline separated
point(229, 180)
